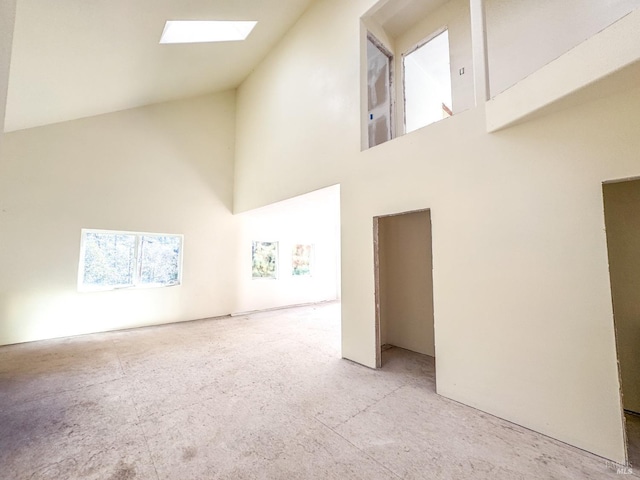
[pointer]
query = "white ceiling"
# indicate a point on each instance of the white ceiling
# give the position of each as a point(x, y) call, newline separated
point(79, 58)
point(397, 16)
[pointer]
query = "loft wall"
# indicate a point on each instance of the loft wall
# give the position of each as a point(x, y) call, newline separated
point(538, 32)
point(522, 304)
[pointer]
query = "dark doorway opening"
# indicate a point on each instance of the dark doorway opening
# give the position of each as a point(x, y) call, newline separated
point(622, 220)
point(404, 283)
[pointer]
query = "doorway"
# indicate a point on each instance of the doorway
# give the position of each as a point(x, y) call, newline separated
point(427, 83)
point(404, 283)
point(379, 85)
point(622, 221)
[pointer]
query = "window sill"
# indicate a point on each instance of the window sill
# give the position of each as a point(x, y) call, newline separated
point(85, 289)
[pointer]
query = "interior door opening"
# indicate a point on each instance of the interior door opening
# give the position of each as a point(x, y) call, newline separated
point(622, 221)
point(427, 83)
point(404, 283)
point(379, 85)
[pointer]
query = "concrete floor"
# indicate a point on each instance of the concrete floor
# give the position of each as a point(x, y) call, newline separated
point(264, 396)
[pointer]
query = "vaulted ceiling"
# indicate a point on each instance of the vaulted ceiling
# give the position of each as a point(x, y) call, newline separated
point(78, 58)
point(396, 16)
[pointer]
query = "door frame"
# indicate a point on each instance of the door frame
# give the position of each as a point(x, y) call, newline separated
point(376, 273)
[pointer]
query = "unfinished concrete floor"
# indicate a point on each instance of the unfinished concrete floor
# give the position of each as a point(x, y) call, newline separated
point(259, 397)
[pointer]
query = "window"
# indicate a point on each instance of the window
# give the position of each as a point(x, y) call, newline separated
point(379, 62)
point(110, 260)
point(427, 83)
point(264, 260)
point(301, 260)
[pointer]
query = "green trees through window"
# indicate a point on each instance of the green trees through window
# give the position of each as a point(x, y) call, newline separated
point(111, 260)
point(160, 259)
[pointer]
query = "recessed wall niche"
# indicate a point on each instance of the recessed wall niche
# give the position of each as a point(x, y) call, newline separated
point(400, 28)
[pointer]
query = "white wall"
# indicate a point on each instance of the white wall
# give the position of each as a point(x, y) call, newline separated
point(538, 32)
point(165, 168)
point(309, 219)
point(316, 93)
point(523, 313)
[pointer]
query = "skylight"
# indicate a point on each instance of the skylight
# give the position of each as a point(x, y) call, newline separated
point(200, 31)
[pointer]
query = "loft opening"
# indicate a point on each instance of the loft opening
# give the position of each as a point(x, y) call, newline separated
point(427, 83)
point(416, 55)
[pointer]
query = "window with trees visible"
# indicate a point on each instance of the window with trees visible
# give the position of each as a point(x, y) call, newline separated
point(111, 259)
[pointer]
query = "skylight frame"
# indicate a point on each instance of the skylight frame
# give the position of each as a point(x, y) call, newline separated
point(206, 31)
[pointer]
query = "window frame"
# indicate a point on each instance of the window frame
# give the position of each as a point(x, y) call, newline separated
point(137, 258)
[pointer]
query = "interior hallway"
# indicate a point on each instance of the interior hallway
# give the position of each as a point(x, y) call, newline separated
point(259, 396)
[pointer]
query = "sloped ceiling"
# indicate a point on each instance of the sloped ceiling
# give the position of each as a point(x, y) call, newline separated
point(396, 16)
point(78, 58)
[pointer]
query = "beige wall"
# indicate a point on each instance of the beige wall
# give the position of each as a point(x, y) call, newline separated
point(307, 90)
point(622, 215)
point(405, 281)
point(166, 168)
point(521, 288)
point(524, 36)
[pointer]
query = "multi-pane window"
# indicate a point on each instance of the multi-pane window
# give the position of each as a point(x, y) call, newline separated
point(110, 260)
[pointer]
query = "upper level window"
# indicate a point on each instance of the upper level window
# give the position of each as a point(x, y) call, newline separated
point(427, 83)
point(111, 259)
